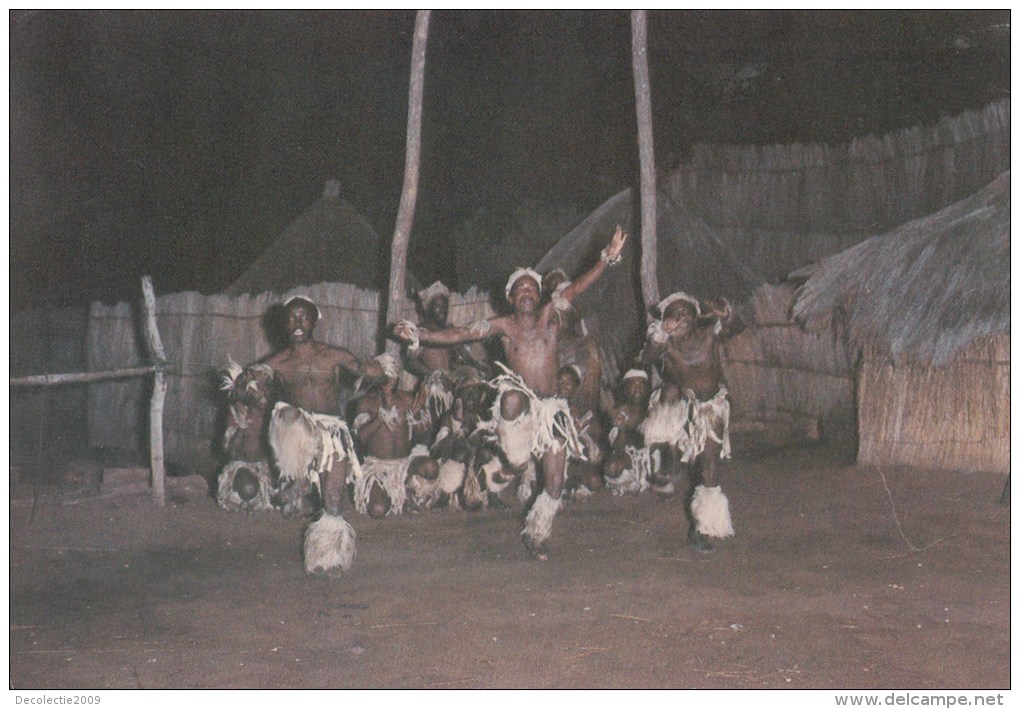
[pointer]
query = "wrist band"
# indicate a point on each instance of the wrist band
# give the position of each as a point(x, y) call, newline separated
point(610, 261)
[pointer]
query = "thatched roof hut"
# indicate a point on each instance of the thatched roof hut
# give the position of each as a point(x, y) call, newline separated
point(330, 242)
point(928, 305)
point(738, 219)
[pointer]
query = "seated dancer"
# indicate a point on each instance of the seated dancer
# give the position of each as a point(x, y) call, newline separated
point(470, 472)
point(583, 474)
point(691, 412)
point(434, 366)
point(310, 440)
point(246, 481)
point(385, 422)
point(629, 465)
point(531, 421)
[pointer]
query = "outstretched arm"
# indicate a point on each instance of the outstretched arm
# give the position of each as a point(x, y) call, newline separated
point(407, 332)
point(346, 363)
point(610, 256)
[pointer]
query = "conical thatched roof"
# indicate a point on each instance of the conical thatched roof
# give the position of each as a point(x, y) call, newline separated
point(924, 291)
point(331, 242)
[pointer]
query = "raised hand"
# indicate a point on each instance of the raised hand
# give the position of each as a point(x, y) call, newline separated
point(719, 309)
point(404, 330)
point(612, 252)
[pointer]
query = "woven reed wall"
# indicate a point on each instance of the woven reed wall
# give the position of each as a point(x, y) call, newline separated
point(199, 334)
point(951, 418)
point(46, 341)
point(786, 385)
point(863, 187)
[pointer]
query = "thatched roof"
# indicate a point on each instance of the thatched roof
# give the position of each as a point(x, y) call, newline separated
point(330, 242)
point(741, 216)
point(924, 291)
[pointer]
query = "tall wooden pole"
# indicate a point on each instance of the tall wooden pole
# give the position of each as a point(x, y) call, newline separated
point(646, 149)
point(157, 354)
point(409, 195)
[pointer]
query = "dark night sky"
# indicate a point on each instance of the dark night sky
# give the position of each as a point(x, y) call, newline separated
point(180, 143)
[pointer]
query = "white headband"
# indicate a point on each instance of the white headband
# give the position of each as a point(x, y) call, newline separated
point(389, 365)
point(318, 313)
point(635, 374)
point(437, 288)
point(679, 295)
point(520, 273)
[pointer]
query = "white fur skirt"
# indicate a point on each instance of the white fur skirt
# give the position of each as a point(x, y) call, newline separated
point(307, 445)
point(687, 424)
point(546, 426)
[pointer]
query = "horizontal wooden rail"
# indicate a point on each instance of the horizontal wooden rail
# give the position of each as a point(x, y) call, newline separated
point(86, 377)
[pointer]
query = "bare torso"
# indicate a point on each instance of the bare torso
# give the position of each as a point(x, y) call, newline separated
point(309, 375)
point(692, 363)
point(386, 435)
point(437, 358)
point(530, 345)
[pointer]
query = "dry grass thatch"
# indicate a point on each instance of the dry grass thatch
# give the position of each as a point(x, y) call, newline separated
point(863, 187)
point(786, 385)
point(330, 242)
point(924, 292)
point(954, 417)
point(735, 218)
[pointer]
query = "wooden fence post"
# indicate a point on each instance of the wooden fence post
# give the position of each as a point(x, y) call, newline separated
point(646, 150)
point(409, 195)
point(157, 354)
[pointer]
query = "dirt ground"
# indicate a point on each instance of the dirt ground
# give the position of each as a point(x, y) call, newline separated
point(820, 588)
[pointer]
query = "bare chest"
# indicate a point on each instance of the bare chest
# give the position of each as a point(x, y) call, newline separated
point(690, 354)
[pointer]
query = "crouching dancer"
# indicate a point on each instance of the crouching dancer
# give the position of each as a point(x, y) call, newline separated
point(246, 481)
point(384, 426)
point(630, 463)
point(531, 421)
point(311, 442)
point(690, 412)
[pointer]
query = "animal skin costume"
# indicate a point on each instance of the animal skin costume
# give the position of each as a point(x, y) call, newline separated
point(306, 446)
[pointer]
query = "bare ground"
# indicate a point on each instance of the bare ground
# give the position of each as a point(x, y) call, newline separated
point(821, 587)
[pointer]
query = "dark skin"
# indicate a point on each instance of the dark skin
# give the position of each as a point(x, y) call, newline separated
point(250, 406)
point(689, 360)
point(430, 359)
point(530, 336)
point(574, 346)
point(309, 374)
point(462, 419)
point(379, 441)
point(627, 417)
point(580, 472)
